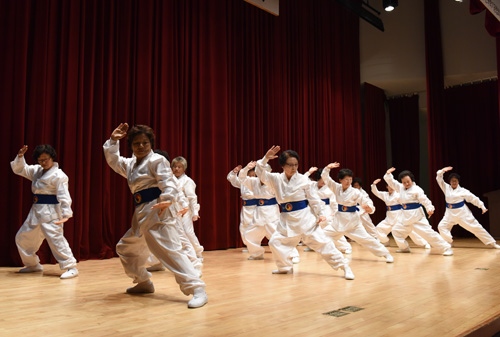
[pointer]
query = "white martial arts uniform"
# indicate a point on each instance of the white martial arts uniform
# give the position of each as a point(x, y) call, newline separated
point(247, 212)
point(462, 215)
point(366, 221)
point(265, 219)
point(349, 223)
point(297, 225)
point(392, 217)
point(190, 243)
point(151, 232)
point(40, 222)
point(414, 219)
point(325, 193)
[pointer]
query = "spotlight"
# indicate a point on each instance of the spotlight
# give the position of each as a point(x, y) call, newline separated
point(389, 5)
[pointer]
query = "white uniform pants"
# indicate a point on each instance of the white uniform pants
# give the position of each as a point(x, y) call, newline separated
point(283, 246)
point(246, 217)
point(367, 223)
point(163, 241)
point(29, 238)
point(358, 233)
point(422, 227)
point(384, 228)
point(467, 221)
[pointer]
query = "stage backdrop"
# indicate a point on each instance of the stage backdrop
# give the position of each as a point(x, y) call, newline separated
point(220, 81)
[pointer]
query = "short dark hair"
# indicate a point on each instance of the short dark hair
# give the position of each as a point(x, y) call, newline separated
point(44, 148)
point(344, 173)
point(454, 175)
point(406, 173)
point(287, 154)
point(141, 130)
point(162, 153)
point(316, 176)
point(358, 180)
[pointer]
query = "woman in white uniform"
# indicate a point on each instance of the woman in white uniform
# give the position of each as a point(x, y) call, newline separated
point(457, 211)
point(51, 209)
point(412, 197)
point(154, 189)
point(301, 213)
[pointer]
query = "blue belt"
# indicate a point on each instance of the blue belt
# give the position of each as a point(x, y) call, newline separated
point(327, 201)
point(147, 195)
point(413, 205)
point(250, 202)
point(294, 206)
point(45, 199)
point(457, 205)
point(394, 207)
point(349, 209)
point(267, 202)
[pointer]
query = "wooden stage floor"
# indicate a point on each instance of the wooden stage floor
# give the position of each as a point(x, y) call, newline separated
point(418, 295)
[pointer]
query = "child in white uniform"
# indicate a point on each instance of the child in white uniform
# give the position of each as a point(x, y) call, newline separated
point(153, 186)
point(393, 216)
point(347, 221)
point(457, 211)
point(299, 207)
point(412, 197)
point(51, 209)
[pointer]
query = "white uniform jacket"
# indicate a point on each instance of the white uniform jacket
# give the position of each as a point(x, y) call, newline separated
point(54, 182)
point(390, 199)
point(297, 188)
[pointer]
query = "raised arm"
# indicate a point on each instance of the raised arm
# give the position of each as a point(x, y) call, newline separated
point(311, 171)
point(439, 177)
point(232, 177)
point(243, 175)
point(325, 175)
point(20, 167)
point(112, 150)
point(260, 169)
point(396, 185)
point(375, 190)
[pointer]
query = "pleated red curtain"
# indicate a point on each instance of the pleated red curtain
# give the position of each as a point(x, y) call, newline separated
point(220, 81)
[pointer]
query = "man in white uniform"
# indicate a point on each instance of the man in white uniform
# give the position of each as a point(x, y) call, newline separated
point(457, 211)
point(299, 207)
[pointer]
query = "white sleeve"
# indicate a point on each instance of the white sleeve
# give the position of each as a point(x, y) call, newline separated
point(469, 197)
point(264, 176)
point(244, 179)
point(190, 192)
point(115, 161)
point(440, 180)
point(424, 200)
point(160, 168)
point(233, 179)
point(315, 202)
point(377, 193)
point(20, 168)
point(364, 199)
point(63, 196)
point(325, 175)
point(395, 185)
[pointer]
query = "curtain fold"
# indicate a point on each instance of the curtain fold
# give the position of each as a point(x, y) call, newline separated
point(220, 81)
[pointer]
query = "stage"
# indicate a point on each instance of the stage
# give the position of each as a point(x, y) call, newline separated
point(418, 295)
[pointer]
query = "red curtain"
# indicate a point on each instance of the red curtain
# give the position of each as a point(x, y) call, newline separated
point(405, 134)
point(473, 135)
point(374, 143)
point(220, 81)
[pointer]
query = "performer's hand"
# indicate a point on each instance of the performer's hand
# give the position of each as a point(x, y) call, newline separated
point(251, 165)
point(120, 131)
point(367, 208)
point(333, 165)
point(162, 206)
point(448, 168)
point(312, 170)
point(182, 212)
point(237, 169)
point(22, 151)
point(196, 217)
point(430, 213)
point(376, 182)
point(389, 171)
point(271, 153)
point(63, 220)
point(321, 219)
point(485, 210)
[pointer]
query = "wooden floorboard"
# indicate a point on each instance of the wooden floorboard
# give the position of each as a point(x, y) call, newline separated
point(418, 295)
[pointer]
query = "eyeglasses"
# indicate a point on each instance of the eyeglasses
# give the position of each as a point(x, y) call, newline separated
point(291, 165)
point(43, 161)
